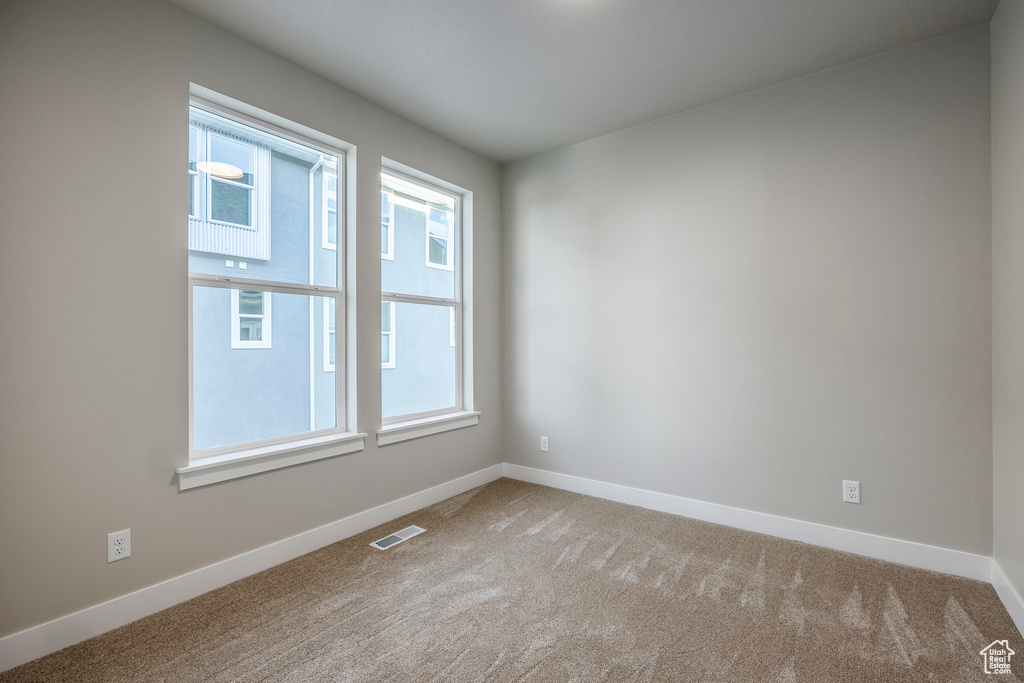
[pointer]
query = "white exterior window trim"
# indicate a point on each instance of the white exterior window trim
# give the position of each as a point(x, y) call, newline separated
point(390, 364)
point(328, 365)
point(212, 465)
point(236, 322)
point(326, 242)
point(412, 426)
point(389, 255)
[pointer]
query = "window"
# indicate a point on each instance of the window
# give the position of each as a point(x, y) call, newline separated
point(250, 319)
point(439, 239)
point(387, 334)
point(423, 377)
point(267, 342)
point(387, 222)
point(330, 217)
point(330, 334)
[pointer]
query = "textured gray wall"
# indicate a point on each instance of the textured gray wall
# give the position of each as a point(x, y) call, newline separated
point(1008, 287)
point(93, 404)
point(748, 302)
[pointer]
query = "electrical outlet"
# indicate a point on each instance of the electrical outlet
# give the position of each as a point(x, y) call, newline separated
point(851, 492)
point(119, 545)
point(544, 444)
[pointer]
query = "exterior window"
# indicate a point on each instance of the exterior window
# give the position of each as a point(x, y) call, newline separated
point(387, 222)
point(267, 331)
point(232, 177)
point(330, 217)
point(439, 239)
point(422, 288)
point(250, 319)
point(193, 170)
point(330, 334)
point(387, 334)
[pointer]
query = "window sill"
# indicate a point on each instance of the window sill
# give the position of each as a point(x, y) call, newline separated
point(265, 458)
point(414, 429)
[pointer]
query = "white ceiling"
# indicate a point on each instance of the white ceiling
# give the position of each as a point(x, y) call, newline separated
point(510, 78)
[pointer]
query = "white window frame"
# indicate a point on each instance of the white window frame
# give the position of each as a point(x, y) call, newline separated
point(390, 253)
point(390, 364)
point(452, 327)
point(236, 322)
point(327, 211)
point(411, 426)
point(328, 331)
point(449, 251)
point(208, 466)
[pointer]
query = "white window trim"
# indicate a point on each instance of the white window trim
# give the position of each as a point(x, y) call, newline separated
point(411, 426)
point(236, 323)
point(391, 336)
point(449, 251)
point(452, 327)
point(390, 253)
point(328, 365)
point(212, 465)
point(326, 242)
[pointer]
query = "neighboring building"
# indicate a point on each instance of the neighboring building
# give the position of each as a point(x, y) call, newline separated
point(264, 363)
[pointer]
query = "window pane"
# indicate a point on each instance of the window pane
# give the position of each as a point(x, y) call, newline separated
point(240, 156)
point(385, 316)
point(193, 148)
point(243, 395)
point(332, 192)
point(419, 212)
point(438, 251)
point(385, 348)
point(230, 203)
point(425, 376)
point(437, 223)
point(302, 185)
point(384, 230)
point(250, 303)
point(332, 227)
point(191, 194)
point(250, 329)
point(332, 352)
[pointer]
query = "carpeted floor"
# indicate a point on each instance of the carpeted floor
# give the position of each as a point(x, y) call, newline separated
point(517, 582)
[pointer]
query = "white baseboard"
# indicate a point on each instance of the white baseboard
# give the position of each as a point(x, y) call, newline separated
point(881, 547)
point(1008, 594)
point(41, 640)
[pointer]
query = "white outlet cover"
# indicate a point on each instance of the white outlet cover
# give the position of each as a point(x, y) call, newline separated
point(119, 545)
point(544, 444)
point(851, 492)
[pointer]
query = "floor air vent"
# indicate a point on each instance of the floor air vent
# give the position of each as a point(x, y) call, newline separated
point(397, 537)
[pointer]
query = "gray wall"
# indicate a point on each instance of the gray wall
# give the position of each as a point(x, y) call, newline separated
point(748, 302)
point(1008, 287)
point(93, 365)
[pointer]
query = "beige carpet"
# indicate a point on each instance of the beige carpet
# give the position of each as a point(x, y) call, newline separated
point(516, 582)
